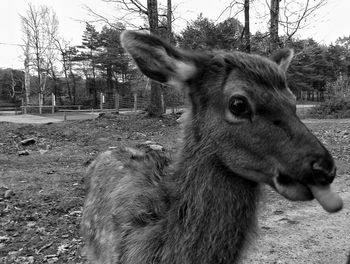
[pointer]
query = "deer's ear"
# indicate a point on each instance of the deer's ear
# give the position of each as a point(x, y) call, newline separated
point(283, 58)
point(156, 59)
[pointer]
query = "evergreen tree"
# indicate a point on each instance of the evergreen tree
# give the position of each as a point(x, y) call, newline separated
point(310, 69)
point(204, 34)
point(90, 48)
point(113, 62)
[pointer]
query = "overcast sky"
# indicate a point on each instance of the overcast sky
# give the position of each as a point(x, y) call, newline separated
point(333, 20)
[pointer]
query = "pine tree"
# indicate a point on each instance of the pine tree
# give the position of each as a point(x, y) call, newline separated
point(90, 48)
point(113, 62)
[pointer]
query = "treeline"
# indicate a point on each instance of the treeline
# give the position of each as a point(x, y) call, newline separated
point(316, 69)
point(100, 65)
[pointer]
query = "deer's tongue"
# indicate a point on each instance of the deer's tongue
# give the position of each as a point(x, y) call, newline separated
point(329, 199)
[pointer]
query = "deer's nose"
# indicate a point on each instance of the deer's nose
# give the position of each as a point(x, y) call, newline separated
point(323, 171)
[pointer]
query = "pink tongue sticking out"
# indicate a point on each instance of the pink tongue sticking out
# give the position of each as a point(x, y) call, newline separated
point(330, 200)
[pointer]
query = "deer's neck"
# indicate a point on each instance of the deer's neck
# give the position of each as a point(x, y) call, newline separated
point(213, 214)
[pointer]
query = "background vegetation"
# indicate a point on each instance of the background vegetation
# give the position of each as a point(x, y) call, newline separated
point(78, 74)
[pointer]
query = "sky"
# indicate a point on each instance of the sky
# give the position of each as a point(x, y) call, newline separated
point(331, 22)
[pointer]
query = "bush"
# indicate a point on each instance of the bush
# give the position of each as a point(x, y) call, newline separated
point(332, 108)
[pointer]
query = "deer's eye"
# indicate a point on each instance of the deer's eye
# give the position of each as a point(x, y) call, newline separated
point(239, 106)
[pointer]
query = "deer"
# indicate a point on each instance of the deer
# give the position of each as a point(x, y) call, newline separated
point(241, 131)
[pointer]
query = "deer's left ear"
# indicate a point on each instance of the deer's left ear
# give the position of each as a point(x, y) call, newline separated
point(283, 58)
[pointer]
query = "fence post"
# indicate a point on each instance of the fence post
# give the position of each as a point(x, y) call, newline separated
point(163, 103)
point(22, 106)
point(102, 100)
point(40, 105)
point(116, 101)
point(135, 102)
point(53, 98)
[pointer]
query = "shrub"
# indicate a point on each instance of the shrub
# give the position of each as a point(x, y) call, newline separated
point(334, 107)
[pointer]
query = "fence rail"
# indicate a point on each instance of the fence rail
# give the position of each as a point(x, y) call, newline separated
point(15, 109)
point(52, 107)
point(134, 101)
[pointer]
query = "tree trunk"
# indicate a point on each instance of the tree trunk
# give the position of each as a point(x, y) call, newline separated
point(274, 16)
point(169, 22)
point(94, 92)
point(65, 70)
point(246, 26)
point(116, 100)
point(55, 86)
point(74, 90)
point(135, 102)
point(72, 75)
point(169, 38)
point(152, 7)
point(27, 76)
point(109, 90)
point(13, 87)
point(155, 107)
point(42, 89)
point(40, 101)
point(93, 84)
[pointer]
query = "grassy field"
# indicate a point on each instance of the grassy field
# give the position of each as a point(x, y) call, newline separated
point(45, 190)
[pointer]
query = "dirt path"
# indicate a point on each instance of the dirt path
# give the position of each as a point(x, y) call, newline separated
point(44, 119)
point(323, 121)
point(41, 220)
point(28, 119)
point(302, 233)
point(52, 118)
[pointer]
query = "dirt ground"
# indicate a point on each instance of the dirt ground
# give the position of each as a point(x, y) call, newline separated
point(42, 193)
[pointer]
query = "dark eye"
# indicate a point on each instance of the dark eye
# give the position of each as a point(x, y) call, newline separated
point(239, 106)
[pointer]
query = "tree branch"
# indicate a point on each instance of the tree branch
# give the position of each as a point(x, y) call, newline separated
point(230, 7)
point(302, 14)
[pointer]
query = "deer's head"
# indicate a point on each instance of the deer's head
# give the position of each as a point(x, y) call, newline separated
point(243, 111)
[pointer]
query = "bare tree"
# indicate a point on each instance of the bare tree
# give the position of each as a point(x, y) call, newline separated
point(129, 13)
point(274, 19)
point(233, 9)
point(40, 27)
point(295, 15)
point(291, 15)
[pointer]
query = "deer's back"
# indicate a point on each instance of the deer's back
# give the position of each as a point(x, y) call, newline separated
point(125, 207)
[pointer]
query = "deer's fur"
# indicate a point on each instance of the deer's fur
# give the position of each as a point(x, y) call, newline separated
point(202, 208)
